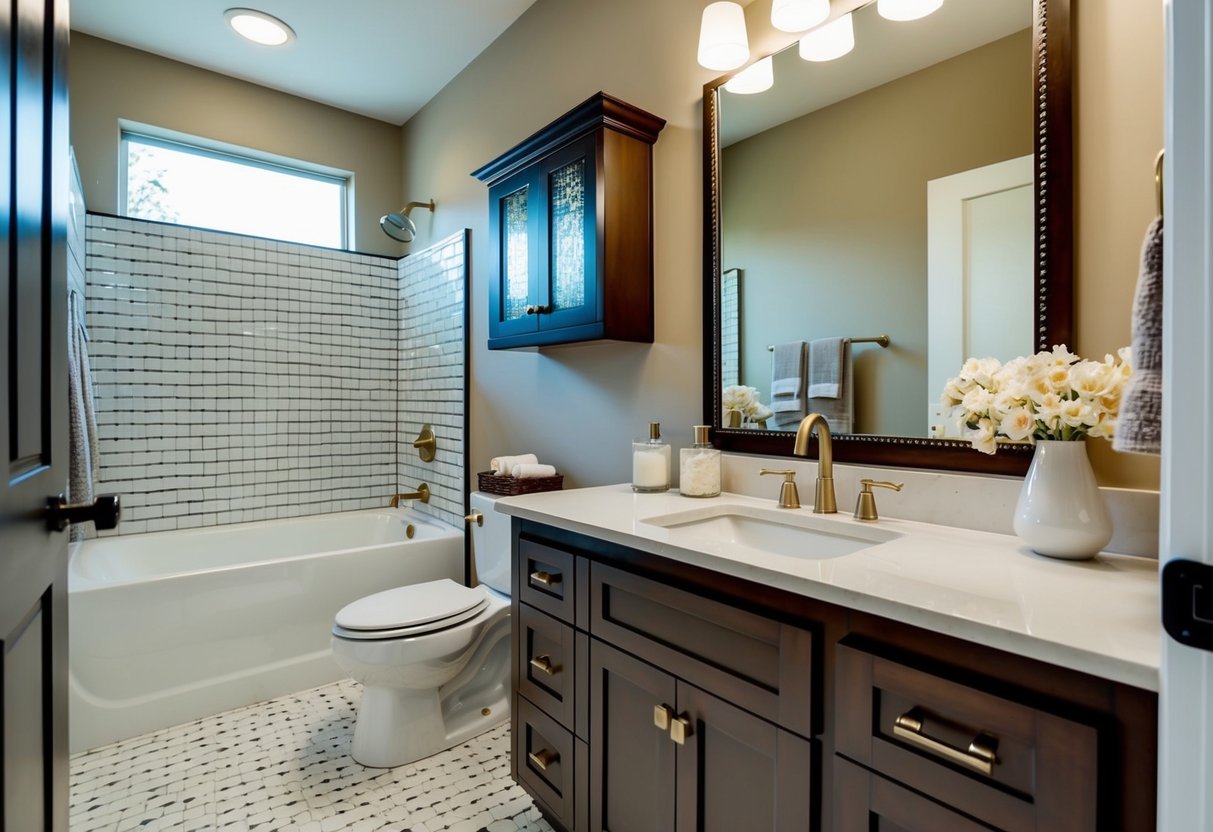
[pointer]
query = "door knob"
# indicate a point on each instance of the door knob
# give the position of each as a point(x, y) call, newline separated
point(105, 512)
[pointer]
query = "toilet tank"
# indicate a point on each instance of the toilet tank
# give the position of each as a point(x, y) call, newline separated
point(491, 543)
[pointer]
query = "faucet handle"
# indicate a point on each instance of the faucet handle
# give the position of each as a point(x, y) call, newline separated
point(865, 506)
point(789, 497)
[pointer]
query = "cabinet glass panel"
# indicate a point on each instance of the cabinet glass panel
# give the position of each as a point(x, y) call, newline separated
point(516, 254)
point(567, 193)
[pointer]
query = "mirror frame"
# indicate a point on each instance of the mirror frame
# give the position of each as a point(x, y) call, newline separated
point(1052, 50)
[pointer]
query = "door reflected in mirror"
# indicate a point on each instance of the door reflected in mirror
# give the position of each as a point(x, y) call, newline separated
point(887, 192)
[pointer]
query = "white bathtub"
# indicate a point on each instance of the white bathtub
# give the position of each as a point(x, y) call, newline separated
point(168, 627)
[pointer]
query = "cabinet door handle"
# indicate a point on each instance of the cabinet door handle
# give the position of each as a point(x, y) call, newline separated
point(543, 758)
point(544, 665)
point(662, 714)
point(981, 756)
point(680, 729)
point(538, 309)
point(545, 578)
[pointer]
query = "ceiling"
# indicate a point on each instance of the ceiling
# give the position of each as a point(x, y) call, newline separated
point(379, 58)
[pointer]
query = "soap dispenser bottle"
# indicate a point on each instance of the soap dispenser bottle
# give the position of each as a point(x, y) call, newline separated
point(699, 467)
point(651, 462)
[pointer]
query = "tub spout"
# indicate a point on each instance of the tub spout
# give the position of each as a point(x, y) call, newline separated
point(422, 493)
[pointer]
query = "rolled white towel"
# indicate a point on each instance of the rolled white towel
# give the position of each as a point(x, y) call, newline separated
point(503, 465)
point(526, 471)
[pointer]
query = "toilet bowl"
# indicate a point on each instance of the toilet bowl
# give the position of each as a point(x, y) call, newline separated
point(433, 658)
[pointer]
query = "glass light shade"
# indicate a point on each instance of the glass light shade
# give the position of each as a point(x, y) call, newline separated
point(830, 41)
point(723, 43)
point(758, 77)
point(259, 27)
point(906, 9)
point(798, 15)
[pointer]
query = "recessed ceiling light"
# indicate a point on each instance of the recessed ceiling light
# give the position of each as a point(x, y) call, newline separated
point(259, 27)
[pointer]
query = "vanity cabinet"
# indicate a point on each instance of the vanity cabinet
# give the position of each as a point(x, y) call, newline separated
point(571, 228)
point(652, 695)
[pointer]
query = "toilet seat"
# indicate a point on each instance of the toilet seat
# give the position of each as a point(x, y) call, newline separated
point(408, 611)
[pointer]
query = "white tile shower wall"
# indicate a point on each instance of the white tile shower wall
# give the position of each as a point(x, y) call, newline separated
point(237, 378)
point(432, 370)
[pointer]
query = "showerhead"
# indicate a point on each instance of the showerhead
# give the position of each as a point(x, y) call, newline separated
point(399, 225)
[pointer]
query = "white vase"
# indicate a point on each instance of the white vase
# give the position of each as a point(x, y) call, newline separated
point(1060, 512)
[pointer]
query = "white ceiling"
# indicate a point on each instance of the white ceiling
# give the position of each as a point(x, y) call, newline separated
point(379, 58)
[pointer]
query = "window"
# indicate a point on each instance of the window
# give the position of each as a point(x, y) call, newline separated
point(172, 181)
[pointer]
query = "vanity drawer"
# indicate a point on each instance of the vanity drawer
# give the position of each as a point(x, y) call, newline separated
point(757, 663)
point(547, 579)
point(546, 663)
point(1010, 764)
point(544, 760)
point(866, 801)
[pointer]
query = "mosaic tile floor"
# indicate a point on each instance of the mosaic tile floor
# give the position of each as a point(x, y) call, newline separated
point(285, 765)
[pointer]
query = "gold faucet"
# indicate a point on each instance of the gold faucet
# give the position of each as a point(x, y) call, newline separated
point(422, 493)
point(823, 494)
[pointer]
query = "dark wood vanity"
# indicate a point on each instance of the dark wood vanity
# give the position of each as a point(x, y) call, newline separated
point(649, 694)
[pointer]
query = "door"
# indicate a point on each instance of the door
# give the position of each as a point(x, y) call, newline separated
point(632, 758)
point(980, 259)
point(33, 418)
point(737, 771)
point(1186, 524)
point(569, 289)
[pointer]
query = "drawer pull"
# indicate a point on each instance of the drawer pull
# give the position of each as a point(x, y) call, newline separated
point(680, 729)
point(543, 758)
point(544, 665)
point(980, 756)
point(545, 578)
point(662, 716)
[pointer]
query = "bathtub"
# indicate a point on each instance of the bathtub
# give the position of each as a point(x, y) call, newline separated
point(168, 627)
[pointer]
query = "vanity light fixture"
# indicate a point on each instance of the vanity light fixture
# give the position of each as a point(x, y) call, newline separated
point(259, 27)
point(723, 43)
point(757, 77)
point(906, 9)
point(798, 15)
point(833, 40)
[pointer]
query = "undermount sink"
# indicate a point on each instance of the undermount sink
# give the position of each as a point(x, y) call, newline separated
point(777, 531)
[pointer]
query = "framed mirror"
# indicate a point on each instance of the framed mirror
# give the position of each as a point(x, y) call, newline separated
point(917, 190)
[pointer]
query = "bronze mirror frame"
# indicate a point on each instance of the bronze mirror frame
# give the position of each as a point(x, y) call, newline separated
point(1052, 50)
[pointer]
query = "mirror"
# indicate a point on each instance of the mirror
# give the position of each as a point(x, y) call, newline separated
point(917, 188)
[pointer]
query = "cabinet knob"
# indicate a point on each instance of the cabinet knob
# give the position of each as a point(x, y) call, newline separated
point(543, 758)
point(661, 716)
point(680, 729)
point(544, 665)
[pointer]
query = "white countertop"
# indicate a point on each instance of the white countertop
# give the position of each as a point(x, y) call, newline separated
point(1100, 616)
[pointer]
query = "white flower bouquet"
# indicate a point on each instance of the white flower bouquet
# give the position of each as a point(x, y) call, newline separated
point(1051, 395)
point(745, 401)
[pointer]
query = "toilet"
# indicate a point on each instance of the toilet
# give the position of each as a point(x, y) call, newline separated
point(433, 658)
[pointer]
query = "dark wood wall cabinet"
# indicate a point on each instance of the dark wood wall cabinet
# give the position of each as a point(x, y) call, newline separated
point(649, 696)
point(571, 229)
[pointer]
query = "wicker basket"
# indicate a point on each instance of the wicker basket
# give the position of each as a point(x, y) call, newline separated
point(510, 486)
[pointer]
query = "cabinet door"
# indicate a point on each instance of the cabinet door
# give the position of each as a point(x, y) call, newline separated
point(631, 758)
point(737, 771)
point(514, 225)
point(867, 802)
point(569, 292)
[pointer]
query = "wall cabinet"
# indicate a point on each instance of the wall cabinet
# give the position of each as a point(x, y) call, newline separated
point(571, 227)
point(650, 695)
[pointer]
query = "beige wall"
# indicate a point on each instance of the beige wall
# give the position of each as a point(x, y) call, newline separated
point(803, 224)
point(109, 82)
point(578, 407)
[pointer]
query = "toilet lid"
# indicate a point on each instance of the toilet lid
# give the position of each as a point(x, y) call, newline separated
point(417, 607)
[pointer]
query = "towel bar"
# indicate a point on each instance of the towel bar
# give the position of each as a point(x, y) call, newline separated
point(883, 340)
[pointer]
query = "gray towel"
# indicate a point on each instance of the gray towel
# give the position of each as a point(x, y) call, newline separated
point(82, 452)
point(788, 385)
point(831, 386)
point(1139, 426)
